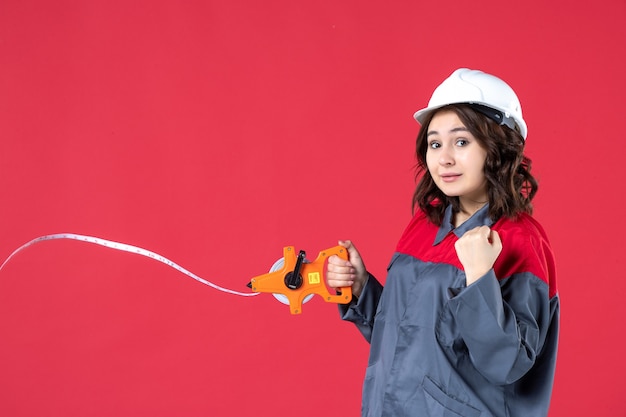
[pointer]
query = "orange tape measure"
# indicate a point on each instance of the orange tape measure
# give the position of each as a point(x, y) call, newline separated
point(299, 279)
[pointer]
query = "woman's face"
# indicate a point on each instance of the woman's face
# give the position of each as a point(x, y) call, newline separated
point(456, 160)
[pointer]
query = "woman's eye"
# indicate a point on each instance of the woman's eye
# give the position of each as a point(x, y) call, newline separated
point(434, 145)
point(461, 142)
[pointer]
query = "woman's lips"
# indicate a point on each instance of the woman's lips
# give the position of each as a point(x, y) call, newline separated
point(450, 177)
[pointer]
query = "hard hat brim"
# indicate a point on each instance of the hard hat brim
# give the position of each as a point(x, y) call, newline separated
point(421, 114)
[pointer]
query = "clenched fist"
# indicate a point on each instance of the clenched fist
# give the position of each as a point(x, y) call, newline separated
point(350, 273)
point(478, 250)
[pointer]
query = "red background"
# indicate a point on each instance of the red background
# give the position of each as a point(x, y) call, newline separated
point(217, 132)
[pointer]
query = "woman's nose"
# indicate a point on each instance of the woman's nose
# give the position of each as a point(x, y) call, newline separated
point(445, 156)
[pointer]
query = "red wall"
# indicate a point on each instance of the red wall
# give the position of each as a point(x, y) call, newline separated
point(217, 132)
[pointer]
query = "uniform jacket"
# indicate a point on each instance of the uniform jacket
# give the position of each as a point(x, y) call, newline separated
point(441, 348)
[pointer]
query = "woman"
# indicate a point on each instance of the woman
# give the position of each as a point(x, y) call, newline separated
point(467, 324)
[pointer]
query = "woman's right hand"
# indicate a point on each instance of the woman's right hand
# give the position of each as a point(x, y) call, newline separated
point(350, 273)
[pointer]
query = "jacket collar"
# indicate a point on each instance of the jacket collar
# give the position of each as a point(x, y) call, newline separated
point(480, 218)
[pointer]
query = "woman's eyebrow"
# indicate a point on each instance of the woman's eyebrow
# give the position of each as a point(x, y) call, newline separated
point(454, 130)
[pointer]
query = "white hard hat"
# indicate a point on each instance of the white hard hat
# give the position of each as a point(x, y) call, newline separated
point(476, 87)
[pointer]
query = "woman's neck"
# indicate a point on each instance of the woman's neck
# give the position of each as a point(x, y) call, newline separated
point(468, 209)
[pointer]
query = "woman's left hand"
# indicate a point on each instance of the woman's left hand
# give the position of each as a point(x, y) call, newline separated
point(478, 250)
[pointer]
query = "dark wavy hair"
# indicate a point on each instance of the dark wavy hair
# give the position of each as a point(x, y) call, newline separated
point(510, 185)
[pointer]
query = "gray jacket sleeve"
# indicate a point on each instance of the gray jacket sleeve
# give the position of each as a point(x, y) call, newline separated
point(362, 310)
point(503, 324)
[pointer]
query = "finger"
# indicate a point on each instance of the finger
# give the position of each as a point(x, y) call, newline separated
point(335, 283)
point(353, 253)
point(336, 261)
point(485, 231)
point(340, 269)
point(479, 234)
point(335, 279)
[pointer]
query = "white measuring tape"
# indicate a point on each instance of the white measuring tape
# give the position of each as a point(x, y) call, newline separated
point(126, 248)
